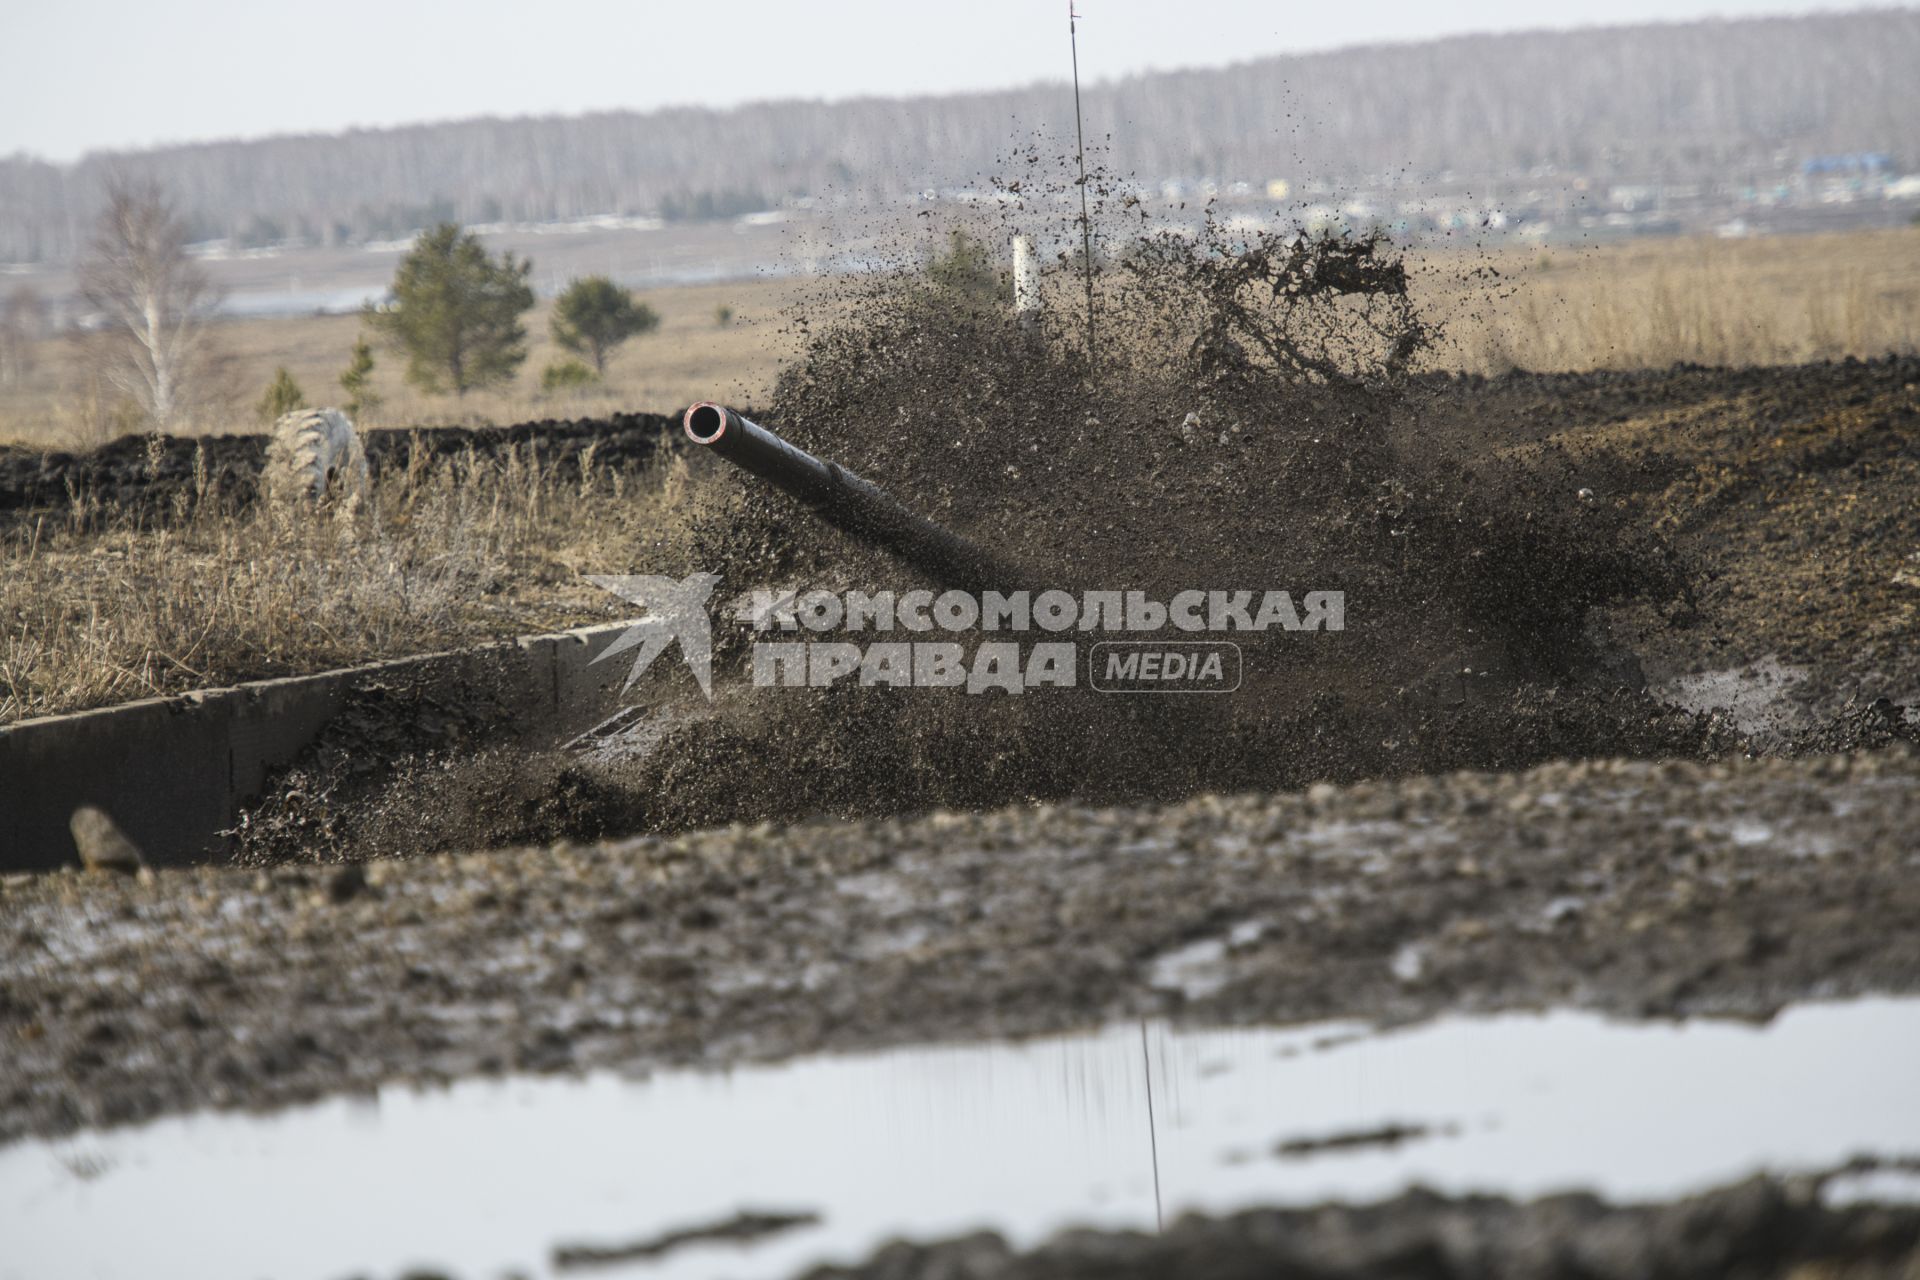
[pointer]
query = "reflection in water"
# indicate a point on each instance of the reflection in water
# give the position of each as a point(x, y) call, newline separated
point(489, 1177)
point(1153, 1135)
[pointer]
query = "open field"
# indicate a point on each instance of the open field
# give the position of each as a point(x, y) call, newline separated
point(1638, 304)
point(1651, 303)
point(692, 356)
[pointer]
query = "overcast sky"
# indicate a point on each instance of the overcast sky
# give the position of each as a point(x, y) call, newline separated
point(78, 75)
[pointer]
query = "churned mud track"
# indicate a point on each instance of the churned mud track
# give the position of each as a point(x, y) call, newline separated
point(1639, 888)
point(1788, 492)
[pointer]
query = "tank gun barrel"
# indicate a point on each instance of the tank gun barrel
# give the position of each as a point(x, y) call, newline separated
point(848, 502)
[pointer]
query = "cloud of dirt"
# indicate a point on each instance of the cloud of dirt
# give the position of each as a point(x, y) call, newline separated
point(1246, 418)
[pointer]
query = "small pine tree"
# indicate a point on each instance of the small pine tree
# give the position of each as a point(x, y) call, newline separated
point(283, 396)
point(723, 315)
point(456, 312)
point(595, 315)
point(357, 381)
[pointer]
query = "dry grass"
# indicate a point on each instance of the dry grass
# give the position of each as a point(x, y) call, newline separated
point(99, 609)
point(1650, 304)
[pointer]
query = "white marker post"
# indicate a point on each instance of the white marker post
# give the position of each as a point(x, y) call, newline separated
point(1026, 282)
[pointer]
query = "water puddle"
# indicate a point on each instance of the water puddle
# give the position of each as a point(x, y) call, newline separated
point(762, 1171)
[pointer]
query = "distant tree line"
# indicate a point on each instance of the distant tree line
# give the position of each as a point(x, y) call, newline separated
point(1630, 104)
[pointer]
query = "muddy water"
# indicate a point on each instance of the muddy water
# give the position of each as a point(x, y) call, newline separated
point(1120, 1128)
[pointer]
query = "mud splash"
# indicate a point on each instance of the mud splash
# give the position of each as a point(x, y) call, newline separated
point(1235, 427)
point(1251, 415)
point(821, 1160)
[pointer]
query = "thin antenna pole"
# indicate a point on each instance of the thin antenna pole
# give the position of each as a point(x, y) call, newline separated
point(1086, 223)
point(1153, 1136)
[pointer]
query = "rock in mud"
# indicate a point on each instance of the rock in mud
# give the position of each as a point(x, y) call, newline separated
point(102, 845)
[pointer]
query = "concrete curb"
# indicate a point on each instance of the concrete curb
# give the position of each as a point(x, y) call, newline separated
point(174, 772)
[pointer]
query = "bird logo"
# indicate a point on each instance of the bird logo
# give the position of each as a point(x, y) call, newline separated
point(675, 610)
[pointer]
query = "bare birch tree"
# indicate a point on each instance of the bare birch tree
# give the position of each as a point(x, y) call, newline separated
point(156, 300)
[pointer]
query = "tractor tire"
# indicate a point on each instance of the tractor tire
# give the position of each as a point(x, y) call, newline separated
point(315, 454)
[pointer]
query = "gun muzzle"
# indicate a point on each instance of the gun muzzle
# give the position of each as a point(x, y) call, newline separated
point(849, 503)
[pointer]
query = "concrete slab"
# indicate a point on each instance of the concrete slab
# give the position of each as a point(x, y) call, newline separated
point(175, 772)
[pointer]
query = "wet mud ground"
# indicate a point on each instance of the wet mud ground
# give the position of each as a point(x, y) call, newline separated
point(1716, 885)
point(1638, 888)
point(1646, 890)
point(1792, 494)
